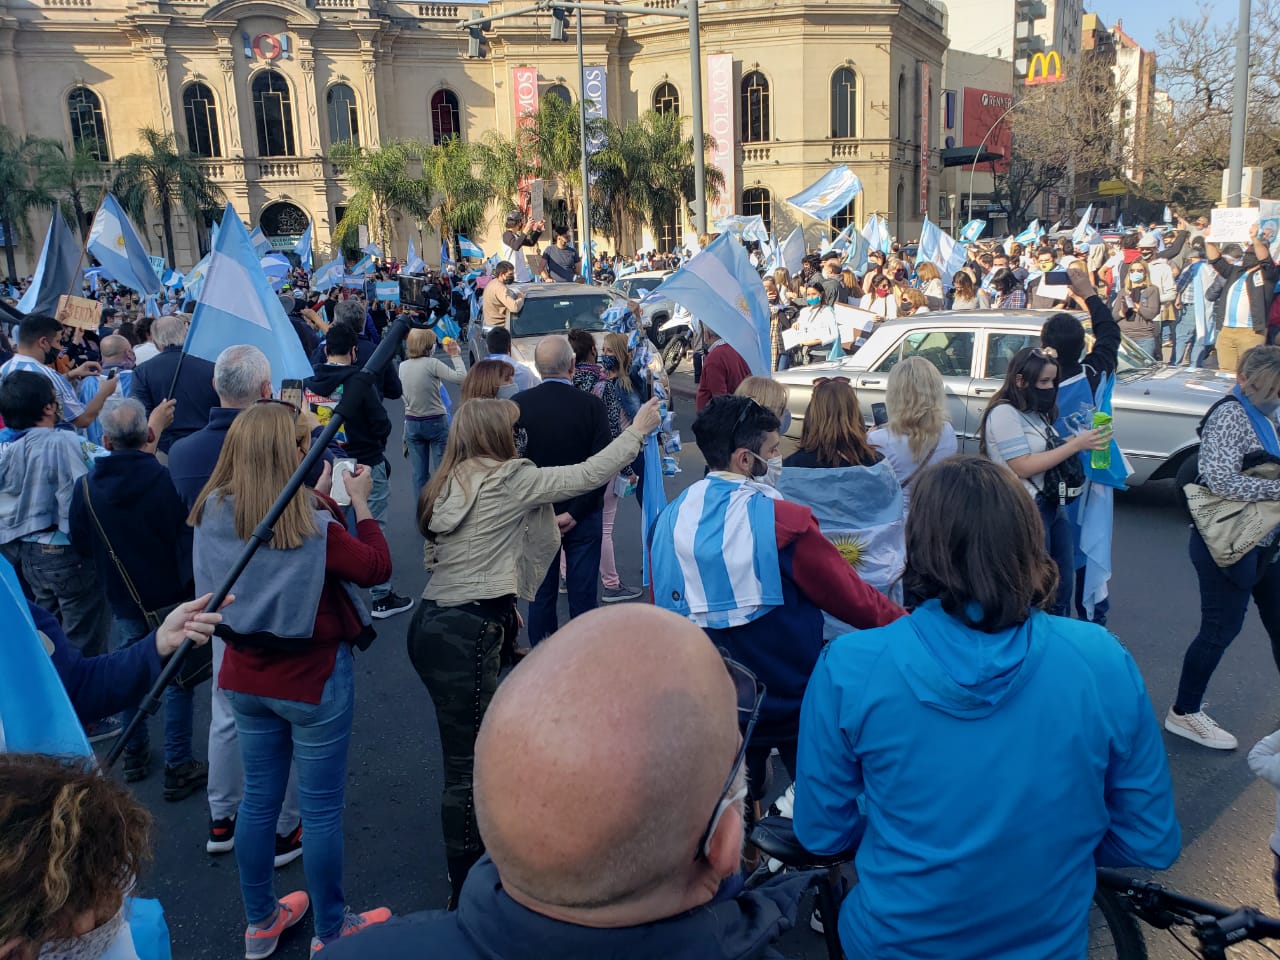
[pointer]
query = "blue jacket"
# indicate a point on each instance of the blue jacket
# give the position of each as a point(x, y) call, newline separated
point(991, 773)
point(489, 924)
point(192, 459)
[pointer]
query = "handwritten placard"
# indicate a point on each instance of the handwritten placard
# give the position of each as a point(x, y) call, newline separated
point(78, 312)
point(537, 201)
point(1231, 224)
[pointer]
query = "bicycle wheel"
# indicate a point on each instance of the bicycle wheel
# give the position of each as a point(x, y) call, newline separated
point(1113, 930)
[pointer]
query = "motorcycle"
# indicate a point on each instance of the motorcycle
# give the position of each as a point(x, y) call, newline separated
point(675, 341)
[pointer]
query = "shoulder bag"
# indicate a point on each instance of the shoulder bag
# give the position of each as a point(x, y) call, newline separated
point(1062, 482)
point(197, 666)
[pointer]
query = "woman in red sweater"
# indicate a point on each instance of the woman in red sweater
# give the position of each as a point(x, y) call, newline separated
point(287, 671)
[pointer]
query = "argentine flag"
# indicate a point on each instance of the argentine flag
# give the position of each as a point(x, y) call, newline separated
point(1080, 235)
point(972, 230)
point(723, 291)
point(1029, 235)
point(937, 247)
point(470, 251)
point(412, 262)
point(328, 275)
point(303, 249)
point(260, 242)
point(445, 259)
point(118, 248)
point(56, 271)
point(363, 268)
point(829, 195)
point(877, 233)
point(237, 305)
point(791, 253)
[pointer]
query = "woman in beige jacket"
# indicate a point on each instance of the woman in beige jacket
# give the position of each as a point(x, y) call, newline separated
point(491, 534)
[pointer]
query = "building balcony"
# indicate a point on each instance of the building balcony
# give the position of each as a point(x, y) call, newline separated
point(1024, 47)
point(845, 150)
point(755, 153)
point(236, 169)
point(1030, 10)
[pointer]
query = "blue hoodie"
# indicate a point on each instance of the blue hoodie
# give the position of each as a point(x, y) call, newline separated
point(991, 772)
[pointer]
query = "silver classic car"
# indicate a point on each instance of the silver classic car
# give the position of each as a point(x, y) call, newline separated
point(1157, 408)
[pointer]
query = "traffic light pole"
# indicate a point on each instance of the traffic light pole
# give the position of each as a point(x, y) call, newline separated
point(1239, 108)
point(588, 268)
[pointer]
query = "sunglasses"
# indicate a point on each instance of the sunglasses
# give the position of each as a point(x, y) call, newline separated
point(283, 403)
point(1044, 353)
point(819, 381)
point(747, 408)
point(750, 692)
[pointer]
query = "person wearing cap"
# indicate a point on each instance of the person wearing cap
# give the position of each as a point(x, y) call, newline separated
point(833, 287)
point(1161, 276)
point(1240, 313)
point(520, 233)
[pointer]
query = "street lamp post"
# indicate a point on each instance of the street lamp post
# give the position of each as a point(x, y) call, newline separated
point(974, 166)
point(587, 272)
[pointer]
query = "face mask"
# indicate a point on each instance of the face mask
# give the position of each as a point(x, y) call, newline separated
point(882, 291)
point(92, 946)
point(772, 470)
point(507, 391)
point(51, 355)
point(1147, 254)
point(609, 363)
point(1138, 276)
point(1043, 398)
point(813, 301)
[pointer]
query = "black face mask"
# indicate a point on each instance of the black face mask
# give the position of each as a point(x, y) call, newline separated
point(1043, 398)
point(51, 355)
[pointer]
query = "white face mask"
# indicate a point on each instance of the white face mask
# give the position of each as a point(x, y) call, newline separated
point(772, 471)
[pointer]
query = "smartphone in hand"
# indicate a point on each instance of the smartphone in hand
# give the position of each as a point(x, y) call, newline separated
point(291, 393)
point(880, 414)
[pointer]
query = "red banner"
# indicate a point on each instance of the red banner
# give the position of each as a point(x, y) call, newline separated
point(982, 110)
point(721, 98)
point(524, 88)
point(925, 97)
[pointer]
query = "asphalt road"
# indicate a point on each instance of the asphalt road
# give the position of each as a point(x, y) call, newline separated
point(394, 854)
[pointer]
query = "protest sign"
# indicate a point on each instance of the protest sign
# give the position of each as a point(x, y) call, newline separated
point(1269, 219)
point(77, 312)
point(537, 202)
point(1231, 224)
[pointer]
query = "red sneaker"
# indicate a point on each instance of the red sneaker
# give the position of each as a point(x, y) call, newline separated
point(354, 923)
point(261, 941)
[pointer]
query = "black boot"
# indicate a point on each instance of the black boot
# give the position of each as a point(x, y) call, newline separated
point(458, 869)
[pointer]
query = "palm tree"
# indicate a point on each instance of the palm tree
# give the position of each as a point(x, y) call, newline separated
point(77, 179)
point(552, 139)
point(504, 167)
point(381, 182)
point(164, 175)
point(460, 193)
point(619, 194)
point(20, 190)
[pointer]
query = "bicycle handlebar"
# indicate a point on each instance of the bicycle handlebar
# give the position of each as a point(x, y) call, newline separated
point(1214, 923)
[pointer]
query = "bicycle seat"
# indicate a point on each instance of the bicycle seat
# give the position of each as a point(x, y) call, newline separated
point(776, 837)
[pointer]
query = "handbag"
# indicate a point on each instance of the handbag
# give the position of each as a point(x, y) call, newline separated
point(1231, 528)
point(197, 665)
point(1062, 482)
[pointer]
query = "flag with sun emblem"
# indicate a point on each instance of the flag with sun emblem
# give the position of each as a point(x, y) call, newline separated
point(860, 510)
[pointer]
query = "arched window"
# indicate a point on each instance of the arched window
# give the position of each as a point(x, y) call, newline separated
point(666, 99)
point(841, 220)
point(446, 116)
point(562, 92)
point(273, 115)
point(844, 107)
point(88, 126)
point(756, 202)
point(755, 108)
point(201, 112)
point(903, 107)
point(344, 117)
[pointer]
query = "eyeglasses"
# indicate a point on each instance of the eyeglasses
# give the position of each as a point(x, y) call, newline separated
point(283, 403)
point(819, 381)
point(750, 693)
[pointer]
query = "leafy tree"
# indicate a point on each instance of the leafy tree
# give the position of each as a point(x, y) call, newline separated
point(20, 191)
point(382, 181)
point(460, 192)
point(76, 178)
point(164, 176)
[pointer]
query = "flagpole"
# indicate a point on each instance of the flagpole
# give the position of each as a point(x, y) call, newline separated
point(358, 388)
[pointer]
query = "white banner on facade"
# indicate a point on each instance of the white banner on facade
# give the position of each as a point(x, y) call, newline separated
point(721, 98)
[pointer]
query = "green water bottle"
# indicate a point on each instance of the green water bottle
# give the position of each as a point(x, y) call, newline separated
point(1101, 459)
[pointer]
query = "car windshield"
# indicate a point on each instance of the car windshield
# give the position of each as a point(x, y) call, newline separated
point(544, 315)
point(1131, 358)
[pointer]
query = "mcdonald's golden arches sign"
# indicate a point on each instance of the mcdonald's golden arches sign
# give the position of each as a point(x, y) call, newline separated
point(1044, 68)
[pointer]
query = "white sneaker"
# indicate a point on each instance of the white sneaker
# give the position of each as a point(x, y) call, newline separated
point(1199, 728)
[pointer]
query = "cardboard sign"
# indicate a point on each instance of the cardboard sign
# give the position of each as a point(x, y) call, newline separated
point(78, 312)
point(388, 291)
point(1231, 224)
point(537, 202)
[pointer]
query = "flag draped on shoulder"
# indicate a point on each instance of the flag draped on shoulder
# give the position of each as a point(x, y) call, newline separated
point(237, 305)
point(829, 195)
point(56, 272)
point(117, 246)
point(723, 291)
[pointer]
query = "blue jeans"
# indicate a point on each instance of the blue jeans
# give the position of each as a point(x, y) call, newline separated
point(1224, 601)
point(379, 498)
point(68, 586)
point(316, 738)
point(178, 704)
point(1060, 543)
point(1148, 344)
point(1184, 334)
point(581, 547)
point(426, 440)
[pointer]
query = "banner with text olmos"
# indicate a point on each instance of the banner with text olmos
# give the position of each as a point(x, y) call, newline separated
point(982, 108)
point(721, 97)
point(524, 88)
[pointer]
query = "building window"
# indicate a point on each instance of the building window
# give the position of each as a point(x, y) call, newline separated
point(666, 99)
point(843, 219)
point(446, 116)
point(562, 92)
point(88, 126)
point(273, 115)
point(757, 202)
point(344, 118)
point(902, 107)
point(755, 108)
point(844, 108)
point(201, 112)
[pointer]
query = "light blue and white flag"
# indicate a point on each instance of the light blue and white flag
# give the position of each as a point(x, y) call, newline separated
point(56, 270)
point(469, 250)
point(1168, 214)
point(748, 228)
point(972, 230)
point(36, 715)
point(1080, 235)
point(261, 245)
point(938, 248)
point(877, 233)
point(195, 277)
point(1200, 282)
point(303, 249)
point(1030, 234)
point(791, 253)
point(445, 259)
point(328, 274)
point(655, 500)
point(723, 291)
point(857, 257)
point(412, 262)
point(841, 241)
point(119, 249)
point(237, 305)
point(364, 268)
point(276, 267)
point(372, 249)
point(172, 278)
point(1120, 224)
point(829, 195)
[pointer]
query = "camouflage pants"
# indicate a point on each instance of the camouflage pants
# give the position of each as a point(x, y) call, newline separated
point(459, 652)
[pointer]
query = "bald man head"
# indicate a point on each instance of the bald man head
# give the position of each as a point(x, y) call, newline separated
point(600, 763)
point(115, 348)
point(553, 356)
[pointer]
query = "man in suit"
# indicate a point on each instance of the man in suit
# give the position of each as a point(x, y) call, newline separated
point(565, 426)
point(192, 389)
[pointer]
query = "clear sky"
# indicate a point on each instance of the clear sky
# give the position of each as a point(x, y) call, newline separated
point(1143, 21)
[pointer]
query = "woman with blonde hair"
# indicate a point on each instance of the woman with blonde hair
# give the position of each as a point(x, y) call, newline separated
point(782, 277)
point(426, 422)
point(833, 434)
point(283, 658)
point(490, 380)
point(491, 535)
point(771, 395)
point(917, 432)
point(912, 301)
point(930, 278)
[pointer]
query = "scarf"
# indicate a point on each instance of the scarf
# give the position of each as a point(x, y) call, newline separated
point(1263, 425)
